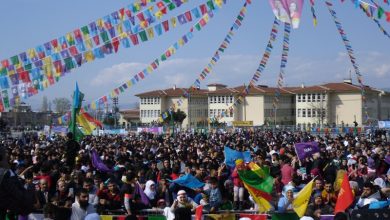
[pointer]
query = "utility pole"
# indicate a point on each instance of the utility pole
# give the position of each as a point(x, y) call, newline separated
point(115, 101)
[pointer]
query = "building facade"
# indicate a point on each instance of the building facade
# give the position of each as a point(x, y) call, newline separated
point(306, 106)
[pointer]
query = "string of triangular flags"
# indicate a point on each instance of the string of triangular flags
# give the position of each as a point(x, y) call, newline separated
point(258, 72)
point(351, 55)
point(283, 63)
point(208, 68)
point(199, 25)
point(35, 81)
point(368, 10)
point(373, 10)
point(313, 12)
point(98, 31)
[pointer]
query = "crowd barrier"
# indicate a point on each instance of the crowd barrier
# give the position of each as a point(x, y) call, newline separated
point(157, 214)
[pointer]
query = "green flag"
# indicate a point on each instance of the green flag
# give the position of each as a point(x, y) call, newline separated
point(211, 5)
point(251, 178)
point(282, 216)
point(156, 217)
point(104, 36)
point(143, 36)
point(76, 106)
point(380, 12)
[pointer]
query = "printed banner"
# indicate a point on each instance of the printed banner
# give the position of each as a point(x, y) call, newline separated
point(306, 149)
point(287, 11)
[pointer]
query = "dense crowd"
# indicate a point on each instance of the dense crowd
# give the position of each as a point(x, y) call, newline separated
point(138, 169)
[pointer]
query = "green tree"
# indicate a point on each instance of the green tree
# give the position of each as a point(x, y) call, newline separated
point(61, 105)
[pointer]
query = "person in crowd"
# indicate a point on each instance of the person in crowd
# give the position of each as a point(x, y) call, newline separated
point(92, 191)
point(318, 208)
point(215, 197)
point(109, 197)
point(81, 207)
point(329, 197)
point(285, 202)
point(369, 195)
point(183, 201)
point(150, 192)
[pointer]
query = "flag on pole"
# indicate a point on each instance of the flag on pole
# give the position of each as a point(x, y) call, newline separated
point(345, 197)
point(306, 149)
point(302, 199)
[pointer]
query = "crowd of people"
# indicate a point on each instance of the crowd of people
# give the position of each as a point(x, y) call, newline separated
point(126, 174)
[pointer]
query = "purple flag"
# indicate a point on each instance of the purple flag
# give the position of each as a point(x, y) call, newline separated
point(98, 163)
point(326, 217)
point(138, 190)
point(306, 149)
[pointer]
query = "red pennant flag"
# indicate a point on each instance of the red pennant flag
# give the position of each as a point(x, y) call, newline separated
point(141, 16)
point(203, 9)
point(1, 105)
point(188, 16)
point(166, 26)
point(96, 39)
point(199, 212)
point(345, 197)
point(24, 76)
point(160, 5)
point(54, 43)
point(128, 13)
point(387, 16)
point(5, 63)
point(141, 74)
point(115, 43)
point(73, 50)
point(134, 39)
point(121, 13)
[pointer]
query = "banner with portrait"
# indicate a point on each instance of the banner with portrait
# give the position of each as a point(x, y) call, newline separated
point(287, 11)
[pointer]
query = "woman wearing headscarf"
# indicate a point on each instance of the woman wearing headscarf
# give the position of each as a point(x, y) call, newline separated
point(285, 202)
point(150, 191)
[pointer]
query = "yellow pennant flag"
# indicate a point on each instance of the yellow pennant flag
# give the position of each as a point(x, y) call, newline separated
point(88, 43)
point(173, 22)
point(302, 199)
point(93, 105)
point(129, 84)
point(206, 18)
point(31, 53)
point(119, 28)
point(219, 3)
point(89, 56)
point(150, 33)
point(158, 14)
point(100, 23)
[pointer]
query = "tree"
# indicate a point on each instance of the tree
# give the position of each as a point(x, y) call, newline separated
point(178, 117)
point(45, 104)
point(319, 110)
point(61, 105)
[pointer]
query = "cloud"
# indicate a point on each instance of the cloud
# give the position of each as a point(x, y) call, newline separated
point(117, 73)
point(382, 70)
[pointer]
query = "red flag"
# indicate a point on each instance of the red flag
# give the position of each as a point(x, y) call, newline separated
point(198, 212)
point(345, 197)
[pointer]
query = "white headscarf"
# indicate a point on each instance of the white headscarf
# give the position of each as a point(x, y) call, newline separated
point(148, 190)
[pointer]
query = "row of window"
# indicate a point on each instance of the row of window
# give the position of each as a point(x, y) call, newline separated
point(282, 99)
point(150, 113)
point(198, 113)
point(311, 113)
point(280, 112)
point(198, 101)
point(218, 112)
point(150, 101)
point(220, 99)
point(311, 97)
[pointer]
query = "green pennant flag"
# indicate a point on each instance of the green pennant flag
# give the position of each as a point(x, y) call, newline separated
point(171, 6)
point(211, 5)
point(143, 36)
point(69, 64)
point(251, 178)
point(197, 26)
point(121, 89)
point(104, 36)
point(240, 18)
point(163, 57)
point(3, 71)
point(85, 30)
point(380, 12)
point(4, 93)
point(15, 60)
point(28, 66)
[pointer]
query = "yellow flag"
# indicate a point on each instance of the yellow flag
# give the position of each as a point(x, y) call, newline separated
point(88, 126)
point(88, 43)
point(263, 204)
point(106, 217)
point(89, 56)
point(339, 180)
point(173, 21)
point(119, 28)
point(31, 52)
point(219, 3)
point(100, 23)
point(158, 14)
point(302, 199)
point(150, 32)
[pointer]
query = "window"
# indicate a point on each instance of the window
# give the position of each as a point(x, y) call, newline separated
point(299, 97)
point(323, 97)
point(223, 99)
point(308, 97)
point(299, 112)
point(231, 99)
point(303, 97)
point(219, 99)
point(323, 113)
point(313, 97)
point(318, 97)
point(159, 112)
point(309, 113)
point(304, 113)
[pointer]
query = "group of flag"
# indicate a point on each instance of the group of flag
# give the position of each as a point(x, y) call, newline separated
point(351, 55)
point(283, 63)
point(206, 15)
point(213, 61)
point(38, 68)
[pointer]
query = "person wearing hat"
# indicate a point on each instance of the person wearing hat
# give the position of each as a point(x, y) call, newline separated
point(183, 201)
point(318, 208)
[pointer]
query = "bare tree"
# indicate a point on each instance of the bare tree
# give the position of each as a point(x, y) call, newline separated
point(61, 105)
point(319, 108)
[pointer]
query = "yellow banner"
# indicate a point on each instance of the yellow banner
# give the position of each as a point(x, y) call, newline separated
point(242, 123)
